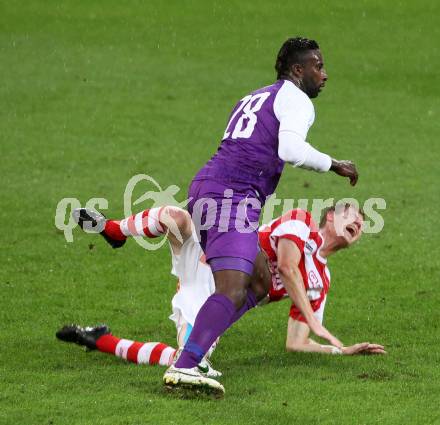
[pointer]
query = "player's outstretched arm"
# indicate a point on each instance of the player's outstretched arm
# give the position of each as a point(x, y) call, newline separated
point(293, 148)
point(364, 348)
point(298, 341)
point(289, 257)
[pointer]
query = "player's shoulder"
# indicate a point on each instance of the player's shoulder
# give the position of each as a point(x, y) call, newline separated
point(294, 102)
point(286, 95)
point(272, 88)
point(289, 92)
point(299, 217)
point(298, 214)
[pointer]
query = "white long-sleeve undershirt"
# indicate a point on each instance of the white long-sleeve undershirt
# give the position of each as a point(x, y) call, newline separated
point(294, 110)
point(293, 149)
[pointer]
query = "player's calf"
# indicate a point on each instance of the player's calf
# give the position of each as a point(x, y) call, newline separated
point(146, 223)
point(100, 338)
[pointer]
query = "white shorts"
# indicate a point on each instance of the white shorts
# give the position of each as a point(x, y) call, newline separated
point(196, 283)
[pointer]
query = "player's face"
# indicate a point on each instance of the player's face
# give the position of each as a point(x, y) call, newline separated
point(348, 226)
point(314, 75)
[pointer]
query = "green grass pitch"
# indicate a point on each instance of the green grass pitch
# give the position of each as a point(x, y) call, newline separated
point(93, 92)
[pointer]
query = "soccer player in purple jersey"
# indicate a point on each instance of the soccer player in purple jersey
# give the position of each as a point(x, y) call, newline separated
point(266, 129)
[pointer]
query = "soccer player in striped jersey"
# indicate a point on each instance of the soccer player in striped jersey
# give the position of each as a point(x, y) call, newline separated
point(296, 251)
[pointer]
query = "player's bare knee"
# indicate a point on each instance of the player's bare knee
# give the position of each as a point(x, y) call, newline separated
point(291, 348)
point(258, 287)
point(239, 296)
point(261, 278)
point(236, 295)
point(259, 292)
point(177, 220)
point(233, 284)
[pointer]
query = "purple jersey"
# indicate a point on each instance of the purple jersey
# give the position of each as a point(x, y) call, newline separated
point(248, 152)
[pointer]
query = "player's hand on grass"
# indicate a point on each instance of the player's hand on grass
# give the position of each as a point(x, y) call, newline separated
point(345, 169)
point(375, 349)
point(363, 348)
point(322, 332)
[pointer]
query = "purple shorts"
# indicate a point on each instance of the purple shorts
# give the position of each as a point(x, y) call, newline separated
point(225, 217)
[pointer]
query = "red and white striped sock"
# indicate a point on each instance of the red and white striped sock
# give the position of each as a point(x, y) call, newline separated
point(146, 223)
point(137, 352)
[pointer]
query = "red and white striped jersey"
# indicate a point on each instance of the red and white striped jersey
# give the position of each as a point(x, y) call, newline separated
point(298, 226)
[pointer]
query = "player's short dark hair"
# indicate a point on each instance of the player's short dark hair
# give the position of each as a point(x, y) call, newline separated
point(333, 208)
point(291, 52)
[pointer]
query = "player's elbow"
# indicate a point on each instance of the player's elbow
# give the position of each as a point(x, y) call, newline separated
point(287, 270)
point(292, 148)
point(296, 159)
point(284, 270)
